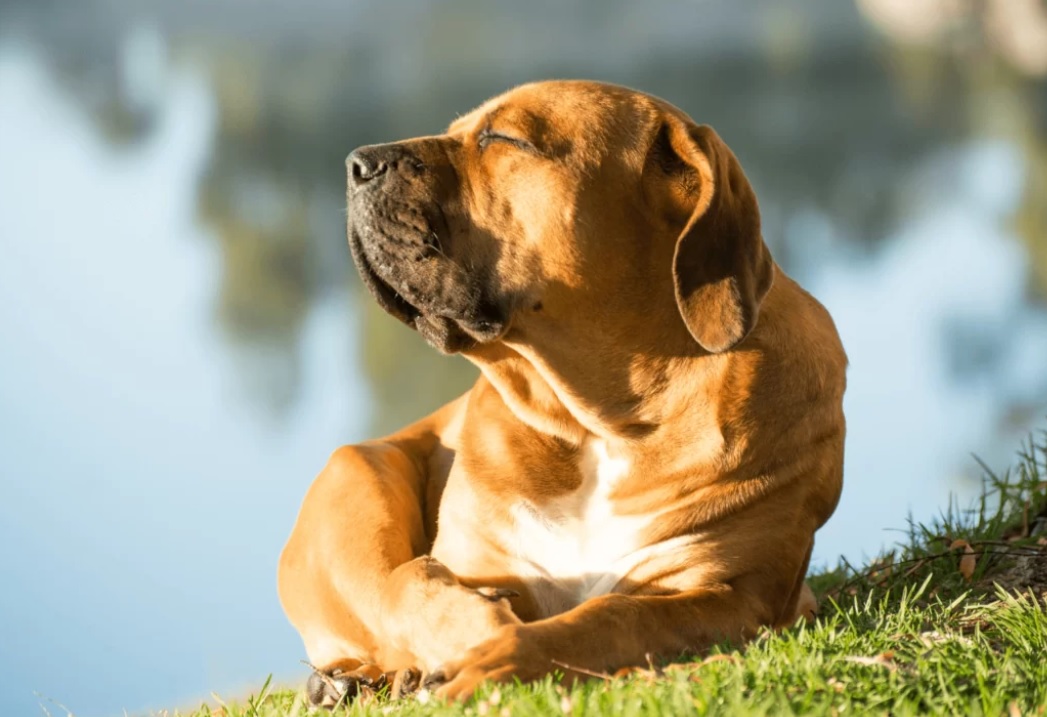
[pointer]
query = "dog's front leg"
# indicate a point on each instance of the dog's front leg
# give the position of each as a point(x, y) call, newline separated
point(355, 579)
point(607, 633)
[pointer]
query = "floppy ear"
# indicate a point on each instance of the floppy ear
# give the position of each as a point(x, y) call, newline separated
point(721, 267)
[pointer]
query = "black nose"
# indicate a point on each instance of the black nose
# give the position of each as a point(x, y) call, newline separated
point(364, 165)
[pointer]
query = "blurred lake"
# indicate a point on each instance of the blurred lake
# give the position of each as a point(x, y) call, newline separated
point(183, 340)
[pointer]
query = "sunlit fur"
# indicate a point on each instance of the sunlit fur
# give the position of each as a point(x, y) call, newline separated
point(657, 432)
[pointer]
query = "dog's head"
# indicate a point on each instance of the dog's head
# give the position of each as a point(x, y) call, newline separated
point(562, 211)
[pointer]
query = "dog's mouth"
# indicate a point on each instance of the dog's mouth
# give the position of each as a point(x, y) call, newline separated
point(465, 321)
point(386, 296)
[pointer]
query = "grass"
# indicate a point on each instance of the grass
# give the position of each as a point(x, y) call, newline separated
point(951, 621)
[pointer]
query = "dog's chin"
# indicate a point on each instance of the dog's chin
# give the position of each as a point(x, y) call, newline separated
point(448, 332)
point(443, 334)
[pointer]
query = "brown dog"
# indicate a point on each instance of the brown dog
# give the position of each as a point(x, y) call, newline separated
point(656, 434)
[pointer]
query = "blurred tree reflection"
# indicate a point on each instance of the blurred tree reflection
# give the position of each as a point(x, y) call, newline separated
point(408, 379)
point(998, 50)
point(273, 195)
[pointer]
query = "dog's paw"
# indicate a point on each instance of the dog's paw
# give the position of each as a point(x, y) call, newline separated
point(405, 683)
point(510, 654)
point(341, 685)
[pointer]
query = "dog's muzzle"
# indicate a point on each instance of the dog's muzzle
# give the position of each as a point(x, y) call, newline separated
point(399, 240)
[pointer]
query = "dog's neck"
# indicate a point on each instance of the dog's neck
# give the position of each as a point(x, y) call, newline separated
point(527, 394)
point(632, 405)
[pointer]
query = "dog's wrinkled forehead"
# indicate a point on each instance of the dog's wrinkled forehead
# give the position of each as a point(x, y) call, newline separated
point(570, 120)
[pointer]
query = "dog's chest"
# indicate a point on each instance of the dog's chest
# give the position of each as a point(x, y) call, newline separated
point(578, 544)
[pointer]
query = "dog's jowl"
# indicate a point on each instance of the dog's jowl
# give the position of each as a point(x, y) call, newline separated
point(656, 434)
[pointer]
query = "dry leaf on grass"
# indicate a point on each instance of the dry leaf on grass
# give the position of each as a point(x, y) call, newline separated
point(692, 667)
point(933, 637)
point(689, 666)
point(969, 561)
point(884, 659)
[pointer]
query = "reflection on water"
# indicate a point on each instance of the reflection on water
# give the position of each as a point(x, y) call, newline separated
point(184, 342)
point(143, 503)
point(947, 353)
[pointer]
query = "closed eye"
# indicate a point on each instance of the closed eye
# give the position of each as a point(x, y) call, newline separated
point(488, 136)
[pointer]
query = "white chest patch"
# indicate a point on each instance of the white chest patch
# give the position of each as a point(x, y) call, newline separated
point(578, 541)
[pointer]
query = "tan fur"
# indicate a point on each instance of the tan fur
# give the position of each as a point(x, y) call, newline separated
point(661, 386)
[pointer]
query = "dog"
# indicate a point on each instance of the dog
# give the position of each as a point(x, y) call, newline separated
point(656, 433)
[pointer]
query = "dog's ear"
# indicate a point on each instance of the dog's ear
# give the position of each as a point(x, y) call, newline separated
point(721, 267)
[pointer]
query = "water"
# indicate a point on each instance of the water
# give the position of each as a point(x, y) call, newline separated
point(184, 342)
